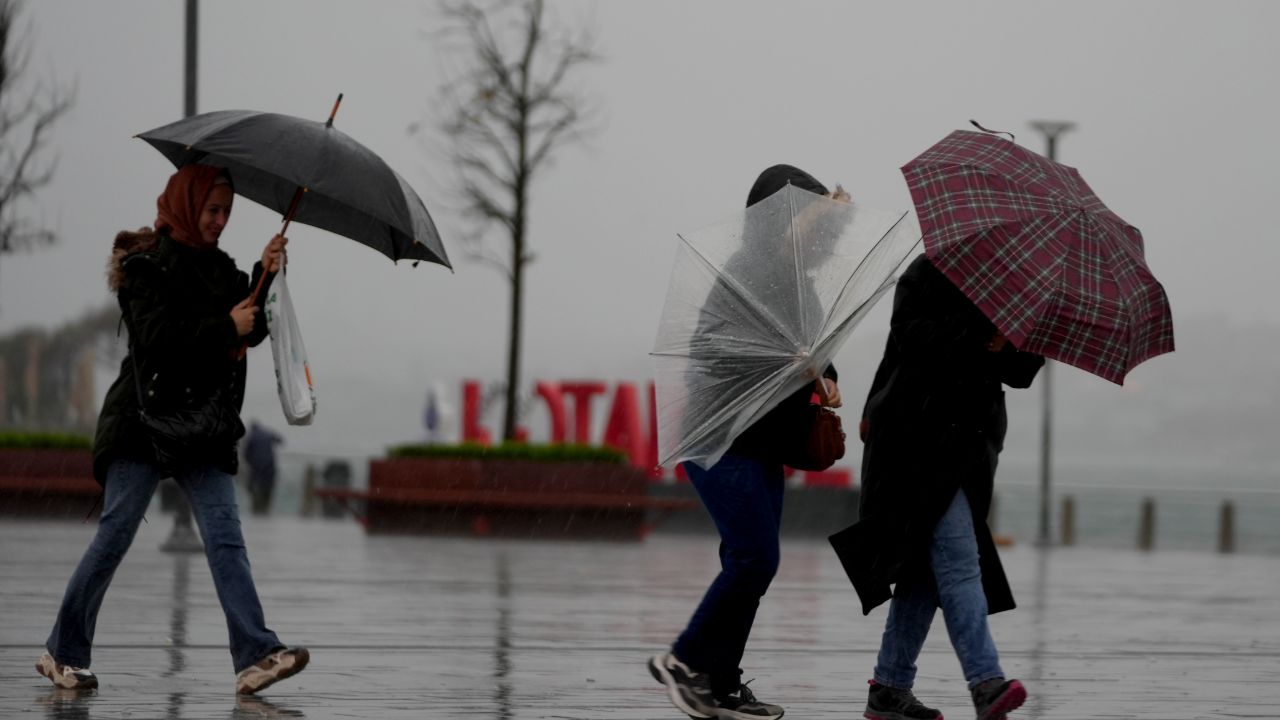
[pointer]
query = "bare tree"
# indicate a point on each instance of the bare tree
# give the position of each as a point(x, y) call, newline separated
point(27, 113)
point(507, 113)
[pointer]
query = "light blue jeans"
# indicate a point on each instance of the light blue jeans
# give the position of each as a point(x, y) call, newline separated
point(956, 585)
point(129, 487)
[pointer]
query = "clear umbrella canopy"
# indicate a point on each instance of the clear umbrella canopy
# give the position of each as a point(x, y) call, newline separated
point(758, 305)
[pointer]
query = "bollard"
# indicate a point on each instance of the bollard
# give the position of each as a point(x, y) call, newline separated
point(1068, 520)
point(1147, 525)
point(1227, 528)
point(308, 491)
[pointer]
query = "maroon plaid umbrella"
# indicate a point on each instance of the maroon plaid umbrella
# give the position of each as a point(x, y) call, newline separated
point(1025, 239)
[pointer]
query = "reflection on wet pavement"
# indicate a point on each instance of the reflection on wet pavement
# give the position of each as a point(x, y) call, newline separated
point(251, 707)
point(60, 704)
point(414, 627)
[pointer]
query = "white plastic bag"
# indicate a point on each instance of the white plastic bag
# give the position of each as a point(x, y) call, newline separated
point(293, 374)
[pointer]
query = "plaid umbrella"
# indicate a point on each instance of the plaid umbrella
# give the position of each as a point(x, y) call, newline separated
point(1026, 240)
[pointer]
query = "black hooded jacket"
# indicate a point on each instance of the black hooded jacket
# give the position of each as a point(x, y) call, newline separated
point(769, 437)
point(176, 303)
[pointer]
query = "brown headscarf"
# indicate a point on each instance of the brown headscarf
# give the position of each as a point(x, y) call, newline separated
point(178, 209)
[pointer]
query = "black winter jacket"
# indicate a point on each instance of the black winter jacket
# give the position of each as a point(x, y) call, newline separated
point(175, 302)
point(936, 424)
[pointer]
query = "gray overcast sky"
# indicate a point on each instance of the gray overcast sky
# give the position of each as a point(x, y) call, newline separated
point(1175, 117)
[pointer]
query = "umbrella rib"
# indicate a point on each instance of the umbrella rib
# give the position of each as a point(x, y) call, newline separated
point(785, 349)
point(732, 408)
point(1122, 298)
point(853, 275)
point(730, 284)
point(795, 261)
point(855, 316)
point(699, 355)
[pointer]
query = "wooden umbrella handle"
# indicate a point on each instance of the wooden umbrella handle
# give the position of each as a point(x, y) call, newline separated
point(262, 279)
point(288, 217)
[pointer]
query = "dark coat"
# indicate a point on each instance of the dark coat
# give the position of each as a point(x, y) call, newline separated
point(176, 303)
point(936, 424)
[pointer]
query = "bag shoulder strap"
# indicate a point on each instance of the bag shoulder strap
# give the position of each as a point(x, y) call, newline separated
point(137, 376)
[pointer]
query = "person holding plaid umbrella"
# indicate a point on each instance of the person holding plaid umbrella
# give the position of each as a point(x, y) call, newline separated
point(933, 426)
point(1022, 261)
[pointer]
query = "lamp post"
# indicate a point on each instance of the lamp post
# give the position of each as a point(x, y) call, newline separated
point(1051, 129)
point(183, 538)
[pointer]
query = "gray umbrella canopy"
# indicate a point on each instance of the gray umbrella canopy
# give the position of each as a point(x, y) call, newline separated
point(347, 189)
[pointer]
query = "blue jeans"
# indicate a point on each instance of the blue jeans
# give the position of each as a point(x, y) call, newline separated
point(744, 498)
point(956, 584)
point(129, 487)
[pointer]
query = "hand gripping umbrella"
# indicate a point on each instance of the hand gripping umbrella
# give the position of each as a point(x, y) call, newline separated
point(756, 308)
point(310, 172)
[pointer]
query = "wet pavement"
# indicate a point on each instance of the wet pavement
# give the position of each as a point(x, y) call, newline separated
point(428, 627)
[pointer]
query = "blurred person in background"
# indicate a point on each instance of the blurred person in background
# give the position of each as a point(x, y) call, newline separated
point(260, 455)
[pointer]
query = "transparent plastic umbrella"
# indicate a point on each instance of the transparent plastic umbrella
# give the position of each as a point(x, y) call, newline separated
point(758, 305)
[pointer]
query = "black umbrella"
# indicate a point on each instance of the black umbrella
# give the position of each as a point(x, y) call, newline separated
point(310, 172)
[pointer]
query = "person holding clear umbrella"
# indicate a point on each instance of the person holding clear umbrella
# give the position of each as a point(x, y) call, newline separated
point(189, 315)
point(743, 493)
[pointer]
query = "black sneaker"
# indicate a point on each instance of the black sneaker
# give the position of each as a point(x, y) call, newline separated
point(743, 705)
point(888, 703)
point(690, 691)
point(995, 698)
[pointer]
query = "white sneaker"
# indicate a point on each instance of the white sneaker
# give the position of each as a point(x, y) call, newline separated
point(65, 676)
point(271, 669)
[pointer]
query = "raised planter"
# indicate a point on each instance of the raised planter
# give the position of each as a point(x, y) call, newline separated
point(508, 498)
point(47, 483)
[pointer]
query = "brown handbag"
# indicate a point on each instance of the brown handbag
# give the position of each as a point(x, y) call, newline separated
point(822, 445)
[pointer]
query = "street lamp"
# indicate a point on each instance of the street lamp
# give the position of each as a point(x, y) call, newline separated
point(183, 538)
point(1051, 129)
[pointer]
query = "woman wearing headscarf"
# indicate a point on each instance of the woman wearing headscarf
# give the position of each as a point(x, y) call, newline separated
point(189, 316)
point(743, 494)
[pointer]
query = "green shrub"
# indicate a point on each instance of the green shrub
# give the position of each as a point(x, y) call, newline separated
point(511, 451)
point(43, 440)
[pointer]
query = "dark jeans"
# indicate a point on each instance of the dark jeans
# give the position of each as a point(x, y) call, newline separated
point(129, 487)
point(744, 497)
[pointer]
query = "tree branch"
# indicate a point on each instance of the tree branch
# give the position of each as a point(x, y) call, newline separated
point(25, 123)
point(505, 119)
